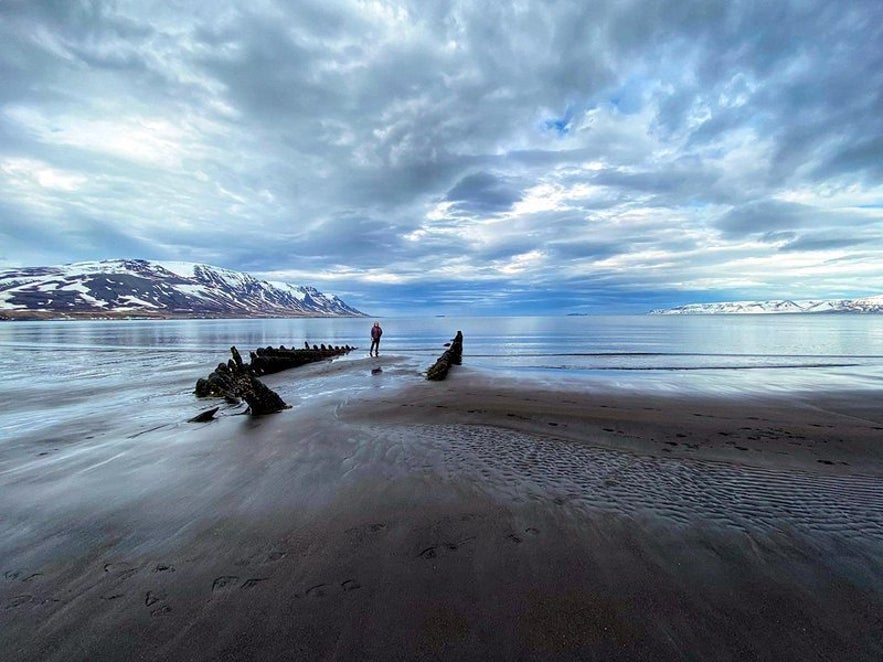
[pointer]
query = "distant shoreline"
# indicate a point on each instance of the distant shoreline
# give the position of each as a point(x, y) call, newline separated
point(769, 313)
point(36, 316)
point(858, 305)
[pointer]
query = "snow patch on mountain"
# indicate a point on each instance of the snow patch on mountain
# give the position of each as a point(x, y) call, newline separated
point(871, 304)
point(126, 288)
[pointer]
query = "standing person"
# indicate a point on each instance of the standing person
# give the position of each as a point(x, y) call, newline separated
point(376, 332)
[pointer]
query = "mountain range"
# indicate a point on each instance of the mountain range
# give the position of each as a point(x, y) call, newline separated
point(871, 304)
point(112, 289)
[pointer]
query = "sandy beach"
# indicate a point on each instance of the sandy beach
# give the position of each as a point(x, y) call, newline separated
point(475, 518)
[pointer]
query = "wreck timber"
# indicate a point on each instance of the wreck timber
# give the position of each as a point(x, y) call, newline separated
point(237, 380)
point(269, 360)
point(453, 355)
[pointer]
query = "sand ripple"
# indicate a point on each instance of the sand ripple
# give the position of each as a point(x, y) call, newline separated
point(522, 466)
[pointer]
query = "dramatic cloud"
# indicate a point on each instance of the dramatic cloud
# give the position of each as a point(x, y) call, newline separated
point(481, 193)
point(454, 156)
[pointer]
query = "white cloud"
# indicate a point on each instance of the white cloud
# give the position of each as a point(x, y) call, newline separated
point(22, 174)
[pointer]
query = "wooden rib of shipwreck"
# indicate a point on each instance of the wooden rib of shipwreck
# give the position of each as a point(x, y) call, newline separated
point(453, 355)
point(268, 360)
point(237, 380)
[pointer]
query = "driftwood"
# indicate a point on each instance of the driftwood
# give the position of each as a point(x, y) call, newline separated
point(236, 379)
point(453, 355)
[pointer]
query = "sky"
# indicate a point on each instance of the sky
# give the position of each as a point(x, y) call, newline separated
point(451, 156)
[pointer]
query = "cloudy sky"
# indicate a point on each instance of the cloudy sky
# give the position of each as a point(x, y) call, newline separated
point(454, 156)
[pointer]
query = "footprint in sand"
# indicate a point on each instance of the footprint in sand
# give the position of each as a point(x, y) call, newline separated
point(518, 538)
point(433, 551)
point(152, 598)
point(324, 590)
point(19, 600)
point(224, 583)
point(428, 553)
point(317, 591)
point(116, 566)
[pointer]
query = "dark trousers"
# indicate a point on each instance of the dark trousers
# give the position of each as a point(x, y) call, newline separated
point(375, 346)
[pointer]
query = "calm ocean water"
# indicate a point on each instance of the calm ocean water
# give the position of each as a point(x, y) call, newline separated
point(64, 378)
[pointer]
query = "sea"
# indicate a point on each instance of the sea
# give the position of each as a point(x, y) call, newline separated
point(82, 378)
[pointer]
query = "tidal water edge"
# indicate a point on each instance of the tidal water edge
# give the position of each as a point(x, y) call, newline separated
point(88, 377)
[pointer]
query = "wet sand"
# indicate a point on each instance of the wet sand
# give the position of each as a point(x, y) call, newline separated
point(476, 518)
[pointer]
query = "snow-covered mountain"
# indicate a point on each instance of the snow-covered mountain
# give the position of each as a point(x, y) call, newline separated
point(872, 304)
point(144, 288)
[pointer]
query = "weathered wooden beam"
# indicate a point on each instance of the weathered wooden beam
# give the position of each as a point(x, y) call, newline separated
point(236, 379)
point(453, 355)
point(269, 360)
